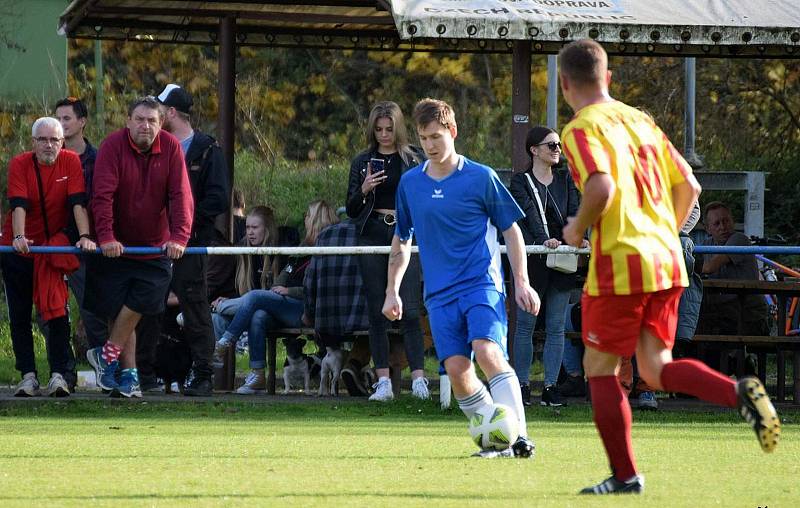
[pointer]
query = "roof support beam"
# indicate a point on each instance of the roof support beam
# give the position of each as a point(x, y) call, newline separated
point(520, 102)
point(227, 94)
point(274, 16)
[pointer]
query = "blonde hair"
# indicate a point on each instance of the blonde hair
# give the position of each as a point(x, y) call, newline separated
point(322, 215)
point(244, 265)
point(390, 110)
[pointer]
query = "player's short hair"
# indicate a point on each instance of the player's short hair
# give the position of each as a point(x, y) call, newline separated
point(78, 106)
point(715, 205)
point(434, 110)
point(583, 62)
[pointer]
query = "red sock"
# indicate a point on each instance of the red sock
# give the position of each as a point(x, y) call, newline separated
point(612, 416)
point(111, 351)
point(696, 378)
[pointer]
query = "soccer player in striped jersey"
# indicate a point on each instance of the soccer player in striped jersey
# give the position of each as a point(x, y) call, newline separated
point(455, 208)
point(637, 193)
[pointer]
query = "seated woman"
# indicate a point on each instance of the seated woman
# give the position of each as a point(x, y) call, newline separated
point(252, 271)
point(279, 307)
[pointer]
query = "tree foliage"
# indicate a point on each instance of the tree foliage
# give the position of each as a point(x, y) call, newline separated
point(305, 110)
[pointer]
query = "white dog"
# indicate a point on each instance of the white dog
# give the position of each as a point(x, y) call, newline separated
point(297, 365)
point(330, 370)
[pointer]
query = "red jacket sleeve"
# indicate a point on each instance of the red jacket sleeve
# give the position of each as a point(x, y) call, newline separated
point(181, 203)
point(104, 186)
point(17, 184)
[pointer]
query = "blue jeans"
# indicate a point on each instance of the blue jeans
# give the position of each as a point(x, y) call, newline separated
point(260, 311)
point(573, 352)
point(555, 316)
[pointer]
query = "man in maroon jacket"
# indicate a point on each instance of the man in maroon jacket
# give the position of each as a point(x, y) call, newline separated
point(140, 197)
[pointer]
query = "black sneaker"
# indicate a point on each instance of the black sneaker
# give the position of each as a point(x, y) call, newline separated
point(524, 448)
point(150, 384)
point(526, 394)
point(197, 386)
point(613, 486)
point(573, 386)
point(353, 381)
point(551, 397)
point(756, 408)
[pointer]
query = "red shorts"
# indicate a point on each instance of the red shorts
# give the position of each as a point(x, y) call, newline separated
point(613, 323)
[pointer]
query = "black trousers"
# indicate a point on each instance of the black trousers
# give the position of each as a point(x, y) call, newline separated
point(18, 281)
point(374, 270)
point(189, 285)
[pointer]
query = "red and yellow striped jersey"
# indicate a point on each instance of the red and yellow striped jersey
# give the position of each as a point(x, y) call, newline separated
point(635, 245)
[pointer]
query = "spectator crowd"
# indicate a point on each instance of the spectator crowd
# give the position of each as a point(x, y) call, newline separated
point(160, 182)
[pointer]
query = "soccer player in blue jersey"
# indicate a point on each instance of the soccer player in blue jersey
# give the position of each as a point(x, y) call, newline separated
point(455, 207)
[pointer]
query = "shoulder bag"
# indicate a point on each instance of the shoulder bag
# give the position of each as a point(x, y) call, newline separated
point(566, 263)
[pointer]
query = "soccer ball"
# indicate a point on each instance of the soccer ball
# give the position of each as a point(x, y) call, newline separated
point(494, 427)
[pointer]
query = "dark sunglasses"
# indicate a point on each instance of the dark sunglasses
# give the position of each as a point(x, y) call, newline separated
point(552, 145)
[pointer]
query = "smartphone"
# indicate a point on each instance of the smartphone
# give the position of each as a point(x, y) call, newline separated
point(377, 165)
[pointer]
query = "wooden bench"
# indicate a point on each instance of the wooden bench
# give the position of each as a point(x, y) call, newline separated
point(760, 345)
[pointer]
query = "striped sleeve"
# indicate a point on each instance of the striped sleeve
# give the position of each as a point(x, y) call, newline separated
point(677, 167)
point(585, 153)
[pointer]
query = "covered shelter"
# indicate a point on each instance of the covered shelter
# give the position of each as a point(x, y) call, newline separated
point(682, 28)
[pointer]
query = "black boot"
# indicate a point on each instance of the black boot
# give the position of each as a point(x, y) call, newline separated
point(198, 385)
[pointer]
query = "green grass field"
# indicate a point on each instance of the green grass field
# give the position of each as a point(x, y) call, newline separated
point(340, 452)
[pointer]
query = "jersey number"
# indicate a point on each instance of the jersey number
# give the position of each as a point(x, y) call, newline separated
point(646, 175)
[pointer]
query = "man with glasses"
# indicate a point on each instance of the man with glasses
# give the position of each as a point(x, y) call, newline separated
point(140, 197)
point(45, 187)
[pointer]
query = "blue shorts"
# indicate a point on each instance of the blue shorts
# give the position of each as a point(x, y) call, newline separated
point(480, 314)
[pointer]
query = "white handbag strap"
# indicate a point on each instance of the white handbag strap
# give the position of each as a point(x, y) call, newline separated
point(538, 202)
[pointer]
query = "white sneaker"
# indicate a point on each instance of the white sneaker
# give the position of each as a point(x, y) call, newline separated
point(28, 387)
point(419, 389)
point(57, 387)
point(254, 383)
point(383, 390)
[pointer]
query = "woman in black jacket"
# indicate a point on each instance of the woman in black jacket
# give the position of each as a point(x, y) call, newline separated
point(374, 177)
point(559, 199)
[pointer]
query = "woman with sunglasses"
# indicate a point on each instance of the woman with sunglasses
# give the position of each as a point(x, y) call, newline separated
point(559, 200)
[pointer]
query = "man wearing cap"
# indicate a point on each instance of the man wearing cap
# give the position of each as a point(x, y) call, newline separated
point(208, 176)
point(140, 197)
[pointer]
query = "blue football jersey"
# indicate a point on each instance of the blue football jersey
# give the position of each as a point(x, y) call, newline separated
point(455, 221)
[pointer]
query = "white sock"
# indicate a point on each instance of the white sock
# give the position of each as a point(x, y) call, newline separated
point(472, 403)
point(505, 390)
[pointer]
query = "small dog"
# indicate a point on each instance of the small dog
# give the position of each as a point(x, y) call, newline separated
point(330, 371)
point(297, 365)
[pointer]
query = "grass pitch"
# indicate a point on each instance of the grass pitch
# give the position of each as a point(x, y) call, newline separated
point(348, 453)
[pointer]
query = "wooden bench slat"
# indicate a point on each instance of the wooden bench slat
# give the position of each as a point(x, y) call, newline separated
point(750, 339)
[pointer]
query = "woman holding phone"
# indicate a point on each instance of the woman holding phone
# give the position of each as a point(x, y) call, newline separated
point(374, 177)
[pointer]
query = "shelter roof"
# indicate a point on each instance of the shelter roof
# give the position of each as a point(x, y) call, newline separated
point(721, 28)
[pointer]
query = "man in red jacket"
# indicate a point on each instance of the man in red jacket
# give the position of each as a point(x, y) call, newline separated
point(45, 187)
point(140, 197)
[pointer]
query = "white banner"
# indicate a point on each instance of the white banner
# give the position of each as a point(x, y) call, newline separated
point(675, 21)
